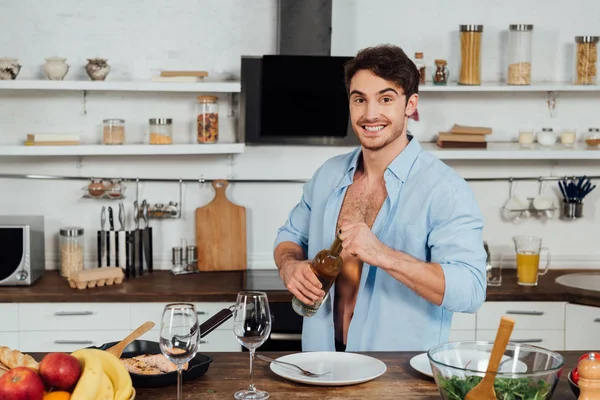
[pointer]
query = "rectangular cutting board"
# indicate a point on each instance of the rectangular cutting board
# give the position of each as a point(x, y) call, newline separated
point(221, 233)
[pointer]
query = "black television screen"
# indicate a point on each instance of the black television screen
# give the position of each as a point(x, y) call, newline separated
point(303, 96)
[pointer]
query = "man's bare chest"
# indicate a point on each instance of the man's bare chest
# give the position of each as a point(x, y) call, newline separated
point(360, 205)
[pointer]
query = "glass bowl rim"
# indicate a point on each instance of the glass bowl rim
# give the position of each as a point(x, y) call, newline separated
point(491, 343)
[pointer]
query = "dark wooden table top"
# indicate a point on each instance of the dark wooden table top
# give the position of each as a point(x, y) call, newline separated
point(162, 286)
point(229, 372)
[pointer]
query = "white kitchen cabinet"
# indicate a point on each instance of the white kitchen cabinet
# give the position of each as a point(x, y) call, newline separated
point(10, 317)
point(582, 328)
point(549, 339)
point(9, 339)
point(68, 340)
point(142, 312)
point(73, 316)
point(526, 314)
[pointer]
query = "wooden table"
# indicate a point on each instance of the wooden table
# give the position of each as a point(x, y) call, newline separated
point(229, 372)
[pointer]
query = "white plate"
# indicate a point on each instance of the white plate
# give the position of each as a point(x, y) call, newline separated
point(420, 362)
point(345, 368)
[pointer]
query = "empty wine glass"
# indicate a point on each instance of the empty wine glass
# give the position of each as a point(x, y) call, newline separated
point(179, 332)
point(252, 326)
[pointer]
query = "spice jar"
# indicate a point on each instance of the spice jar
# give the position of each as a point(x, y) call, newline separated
point(208, 119)
point(546, 137)
point(96, 188)
point(113, 131)
point(470, 54)
point(519, 54)
point(440, 76)
point(70, 251)
point(586, 59)
point(592, 137)
point(161, 130)
point(420, 64)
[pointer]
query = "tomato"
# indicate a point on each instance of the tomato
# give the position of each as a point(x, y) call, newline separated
point(575, 376)
point(597, 355)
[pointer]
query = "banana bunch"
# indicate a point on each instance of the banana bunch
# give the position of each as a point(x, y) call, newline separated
point(103, 377)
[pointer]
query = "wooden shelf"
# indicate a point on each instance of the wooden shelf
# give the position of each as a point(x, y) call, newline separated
point(122, 150)
point(503, 87)
point(513, 151)
point(123, 86)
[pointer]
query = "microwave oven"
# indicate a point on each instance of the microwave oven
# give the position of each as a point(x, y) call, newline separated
point(294, 100)
point(22, 252)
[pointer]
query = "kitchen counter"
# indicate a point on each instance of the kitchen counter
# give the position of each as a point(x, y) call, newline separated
point(229, 372)
point(161, 286)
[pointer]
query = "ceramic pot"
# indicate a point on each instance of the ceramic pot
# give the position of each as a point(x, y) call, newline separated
point(97, 68)
point(56, 68)
point(9, 68)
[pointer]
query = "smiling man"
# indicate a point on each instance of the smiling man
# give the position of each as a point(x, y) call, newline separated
point(411, 229)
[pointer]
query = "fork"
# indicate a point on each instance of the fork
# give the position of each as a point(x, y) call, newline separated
point(302, 370)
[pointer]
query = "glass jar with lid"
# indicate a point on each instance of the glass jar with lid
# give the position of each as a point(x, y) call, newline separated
point(161, 130)
point(207, 122)
point(519, 54)
point(546, 137)
point(586, 60)
point(592, 137)
point(441, 73)
point(113, 131)
point(70, 250)
point(470, 54)
point(420, 64)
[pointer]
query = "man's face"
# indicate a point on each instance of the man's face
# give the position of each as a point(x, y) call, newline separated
point(377, 110)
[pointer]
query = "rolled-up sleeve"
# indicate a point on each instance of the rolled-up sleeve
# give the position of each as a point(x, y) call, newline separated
point(456, 243)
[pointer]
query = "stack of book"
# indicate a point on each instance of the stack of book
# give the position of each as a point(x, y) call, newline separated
point(461, 136)
point(180, 76)
point(52, 139)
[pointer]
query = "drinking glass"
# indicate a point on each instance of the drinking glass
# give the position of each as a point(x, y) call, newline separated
point(252, 326)
point(528, 250)
point(179, 333)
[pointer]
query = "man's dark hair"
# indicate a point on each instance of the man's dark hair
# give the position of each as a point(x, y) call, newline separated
point(388, 62)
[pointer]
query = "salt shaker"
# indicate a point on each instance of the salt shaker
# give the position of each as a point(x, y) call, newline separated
point(589, 378)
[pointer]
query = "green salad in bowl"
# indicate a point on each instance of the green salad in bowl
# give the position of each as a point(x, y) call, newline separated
point(526, 372)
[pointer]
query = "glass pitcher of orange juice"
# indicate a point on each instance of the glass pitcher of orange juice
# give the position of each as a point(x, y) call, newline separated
point(528, 250)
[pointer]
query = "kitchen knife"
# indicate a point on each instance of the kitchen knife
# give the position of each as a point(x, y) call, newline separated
point(134, 240)
point(146, 237)
point(103, 252)
point(112, 245)
point(141, 243)
point(122, 239)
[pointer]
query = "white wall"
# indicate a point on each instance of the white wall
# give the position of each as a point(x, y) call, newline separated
point(141, 37)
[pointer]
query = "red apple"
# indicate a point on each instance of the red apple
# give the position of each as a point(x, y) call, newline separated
point(60, 370)
point(21, 383)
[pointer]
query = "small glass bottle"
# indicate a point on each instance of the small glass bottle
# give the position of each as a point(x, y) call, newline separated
point(113, 131)
point(420, 64)
point(586, 60)
point(440, 76)
point(519, 54)
point(161, 130)
point(592, 137)
point(70, 251)
point(470, 54)
point(207, 111)
point(326, 265)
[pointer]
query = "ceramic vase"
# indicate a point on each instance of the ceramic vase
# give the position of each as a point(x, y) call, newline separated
point(56, 68)
point(9, 68)
point(97, 68)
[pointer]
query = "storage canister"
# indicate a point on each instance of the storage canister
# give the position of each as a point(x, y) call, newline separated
point(586, 60)
point(207, 110)
point(161, 130)
point(519, 54)
point(70, 250)
point(470, 54)
point(113, 131)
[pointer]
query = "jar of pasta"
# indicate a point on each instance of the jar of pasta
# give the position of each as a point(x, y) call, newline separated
point(207, 110)
point(70, 250)
point(470, 54)
point(586, 60)
point(161, 130)
point(113, 131)
point(519, 54)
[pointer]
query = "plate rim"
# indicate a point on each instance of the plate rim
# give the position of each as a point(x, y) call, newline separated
point(424, 355)
point(309, 381)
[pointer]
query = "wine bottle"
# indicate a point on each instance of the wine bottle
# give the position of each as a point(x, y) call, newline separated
point(326, 266)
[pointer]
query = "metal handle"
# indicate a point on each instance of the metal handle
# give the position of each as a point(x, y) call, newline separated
point(64, 313)
point(525, 312)
point(200, 312)
point(286, 336)
point(203, 342)
point(597, 320)
point(73, 342)
point(527, 340)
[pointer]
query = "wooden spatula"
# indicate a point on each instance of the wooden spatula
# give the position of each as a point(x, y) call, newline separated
point(485, 389)
point(118, 348)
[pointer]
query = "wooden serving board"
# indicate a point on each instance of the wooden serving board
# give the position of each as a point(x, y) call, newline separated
point(221, 233)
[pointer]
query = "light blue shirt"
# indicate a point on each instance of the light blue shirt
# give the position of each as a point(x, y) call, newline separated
point(430, 213)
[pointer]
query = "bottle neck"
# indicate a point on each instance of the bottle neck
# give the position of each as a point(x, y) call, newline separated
point(336, 247)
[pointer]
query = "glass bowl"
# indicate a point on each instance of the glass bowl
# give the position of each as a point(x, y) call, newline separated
point(525, 371)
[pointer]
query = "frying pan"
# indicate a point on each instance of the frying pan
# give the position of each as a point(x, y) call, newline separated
point(197, 366)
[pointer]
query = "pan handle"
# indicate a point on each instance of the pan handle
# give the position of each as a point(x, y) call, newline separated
point(215, 321)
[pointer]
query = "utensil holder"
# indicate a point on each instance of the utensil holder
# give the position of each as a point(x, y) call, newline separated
point(572, 210)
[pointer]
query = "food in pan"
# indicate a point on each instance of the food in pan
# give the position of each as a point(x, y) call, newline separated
point(150, 364)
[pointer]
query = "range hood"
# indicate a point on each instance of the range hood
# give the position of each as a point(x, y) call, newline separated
point(304, 27)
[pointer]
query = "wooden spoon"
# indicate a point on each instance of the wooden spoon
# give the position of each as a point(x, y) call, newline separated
point(485, 389)
point(118, 348)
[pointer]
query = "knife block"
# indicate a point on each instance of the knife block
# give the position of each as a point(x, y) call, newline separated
point(129, 250)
